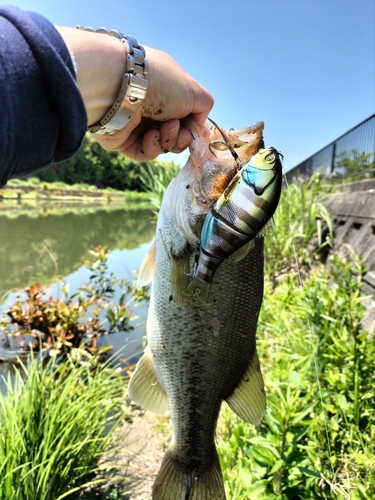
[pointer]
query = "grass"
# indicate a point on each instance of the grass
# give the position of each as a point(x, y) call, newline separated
point(58, 418)
point(41, 201)
point(317, 440)
point(57, 421)
point(156, 182)
point(40, 189)
point(301, 220)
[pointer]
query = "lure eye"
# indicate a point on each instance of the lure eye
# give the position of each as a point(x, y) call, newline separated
point(270, 158)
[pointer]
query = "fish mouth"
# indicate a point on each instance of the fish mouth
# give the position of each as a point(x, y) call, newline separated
point(242, 144)
point(226, 143)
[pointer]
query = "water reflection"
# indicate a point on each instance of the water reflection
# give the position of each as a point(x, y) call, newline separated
point(43, 248)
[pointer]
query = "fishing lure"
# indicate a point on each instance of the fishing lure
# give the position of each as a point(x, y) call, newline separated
point(238, 216)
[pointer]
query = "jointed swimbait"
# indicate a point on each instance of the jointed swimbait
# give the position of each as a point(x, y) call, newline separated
point(237, 217)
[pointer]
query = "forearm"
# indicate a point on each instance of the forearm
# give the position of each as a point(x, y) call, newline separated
point(100, 63)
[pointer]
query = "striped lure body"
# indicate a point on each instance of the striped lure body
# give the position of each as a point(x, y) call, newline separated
point(238, 216)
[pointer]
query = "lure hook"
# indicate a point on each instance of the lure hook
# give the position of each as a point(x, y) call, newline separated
point(196, 260)
point(226, 143)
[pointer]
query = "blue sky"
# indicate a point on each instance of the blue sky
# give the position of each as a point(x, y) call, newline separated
point(304, 67)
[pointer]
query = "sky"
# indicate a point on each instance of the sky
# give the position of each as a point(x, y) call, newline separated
point(304, 67)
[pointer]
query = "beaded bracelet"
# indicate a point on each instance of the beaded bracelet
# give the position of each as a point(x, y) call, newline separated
point(133, 88)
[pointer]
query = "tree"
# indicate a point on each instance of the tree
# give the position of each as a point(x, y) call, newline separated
point(94, 165)
point(353, 162)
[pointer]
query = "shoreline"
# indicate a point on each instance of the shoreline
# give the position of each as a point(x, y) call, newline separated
point(34, 203)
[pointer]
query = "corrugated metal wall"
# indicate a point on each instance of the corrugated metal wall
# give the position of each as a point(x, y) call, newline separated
point(351, 155)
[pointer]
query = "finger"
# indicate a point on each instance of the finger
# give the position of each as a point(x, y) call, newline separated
point(151, 147)
point(169, 134)
point(183, 140)
point(202, 117)
point(202, 106)
point(143, 144)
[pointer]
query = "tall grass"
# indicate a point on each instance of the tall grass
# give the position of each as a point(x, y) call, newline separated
point(56, 422)
point(156, 180)
point(300, 217)
point(317, 440)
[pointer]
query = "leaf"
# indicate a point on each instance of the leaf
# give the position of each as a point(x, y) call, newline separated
point(263, 455)
point(294, 379)
point(104, 349)
point(328, 318)
point(245, 476)
point(310, 472)
point(277, 466)
point(257, 489)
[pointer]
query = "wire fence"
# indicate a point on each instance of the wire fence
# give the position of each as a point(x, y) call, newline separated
point(350, 156)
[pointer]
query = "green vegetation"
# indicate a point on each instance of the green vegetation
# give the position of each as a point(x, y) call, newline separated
point(95, 166)
point(317, 440)
point(57, 421)
point(28, 194)
point(301, 219)
point(354, 163)
point(57, 325)
point(58, 418)
point(156, 182)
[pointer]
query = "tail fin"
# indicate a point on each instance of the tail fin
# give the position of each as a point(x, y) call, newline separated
point(176, 481)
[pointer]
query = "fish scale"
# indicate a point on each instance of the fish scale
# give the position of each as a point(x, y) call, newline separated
point(199, 354)
point(212, 366)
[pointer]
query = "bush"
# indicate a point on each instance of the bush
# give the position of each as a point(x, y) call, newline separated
point(93, 165)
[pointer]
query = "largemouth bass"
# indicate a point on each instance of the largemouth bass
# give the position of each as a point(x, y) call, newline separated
point(200, 354)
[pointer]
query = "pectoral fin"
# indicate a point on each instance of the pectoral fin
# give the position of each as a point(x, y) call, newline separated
point(144, 386)
point(248, 400)
point(146, 272)
point(180, 277)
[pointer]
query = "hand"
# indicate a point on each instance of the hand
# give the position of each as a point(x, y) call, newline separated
point(155, 128)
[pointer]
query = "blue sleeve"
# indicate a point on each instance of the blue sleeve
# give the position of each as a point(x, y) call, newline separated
point(42, 114)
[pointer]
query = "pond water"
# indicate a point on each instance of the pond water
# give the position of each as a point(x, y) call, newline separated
point(41, 246)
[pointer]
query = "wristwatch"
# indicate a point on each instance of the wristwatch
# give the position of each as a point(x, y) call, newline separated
point(133, 87)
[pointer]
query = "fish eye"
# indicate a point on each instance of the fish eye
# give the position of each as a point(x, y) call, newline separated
point(270, 158)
